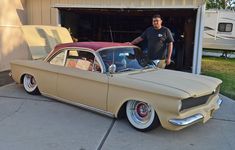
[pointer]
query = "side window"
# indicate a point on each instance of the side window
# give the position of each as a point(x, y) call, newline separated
point(82, 60)
point(58, 59)
point(225, 27)
point(71, 59)
point(96, 66)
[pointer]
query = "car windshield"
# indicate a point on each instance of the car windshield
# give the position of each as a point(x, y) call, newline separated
point(125, 58)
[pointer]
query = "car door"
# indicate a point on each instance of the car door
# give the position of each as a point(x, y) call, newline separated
point(47, 75)
point(81, 81)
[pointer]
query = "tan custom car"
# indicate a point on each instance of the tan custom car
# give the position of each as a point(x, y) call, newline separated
point(113, 79)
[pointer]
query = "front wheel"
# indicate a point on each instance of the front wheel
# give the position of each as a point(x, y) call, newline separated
point(141, 115)
point(30, 85)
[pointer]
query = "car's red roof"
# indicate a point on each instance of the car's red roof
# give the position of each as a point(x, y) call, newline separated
point(91, 45)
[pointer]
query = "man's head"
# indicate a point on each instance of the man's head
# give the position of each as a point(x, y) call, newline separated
point(157, 21)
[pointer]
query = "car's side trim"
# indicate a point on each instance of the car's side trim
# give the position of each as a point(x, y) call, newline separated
point(80, 105)
point(187, 121)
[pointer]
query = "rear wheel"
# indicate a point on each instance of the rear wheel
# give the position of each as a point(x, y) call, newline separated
point(30, 85)
point(141, 115)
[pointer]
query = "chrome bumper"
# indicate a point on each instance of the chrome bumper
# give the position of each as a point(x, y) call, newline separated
point(219, 102)
point(191, 119)
point(187, 121)
point(10, 74)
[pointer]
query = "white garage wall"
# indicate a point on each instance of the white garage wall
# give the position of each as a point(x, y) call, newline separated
point(12, 45)
point(42, 11)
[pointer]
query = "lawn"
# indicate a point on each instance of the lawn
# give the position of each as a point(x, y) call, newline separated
point(223, 69)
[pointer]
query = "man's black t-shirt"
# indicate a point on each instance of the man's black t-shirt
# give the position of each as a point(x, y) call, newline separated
point(157, 41)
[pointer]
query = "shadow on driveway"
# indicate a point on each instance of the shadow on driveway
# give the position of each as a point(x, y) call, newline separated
point(5, 78)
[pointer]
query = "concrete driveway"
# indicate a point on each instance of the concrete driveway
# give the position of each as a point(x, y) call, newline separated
point(38, 123)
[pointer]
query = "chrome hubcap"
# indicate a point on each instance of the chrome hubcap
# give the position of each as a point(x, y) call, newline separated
point(140, 112)
point(142, 109)
point(29, 83)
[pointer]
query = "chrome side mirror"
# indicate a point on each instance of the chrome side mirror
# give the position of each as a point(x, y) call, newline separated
point(112, 68)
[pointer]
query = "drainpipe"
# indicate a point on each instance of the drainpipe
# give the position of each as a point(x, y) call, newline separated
point(58, 17)
point(197, 55)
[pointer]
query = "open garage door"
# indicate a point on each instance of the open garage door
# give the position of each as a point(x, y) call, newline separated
point(123, 25)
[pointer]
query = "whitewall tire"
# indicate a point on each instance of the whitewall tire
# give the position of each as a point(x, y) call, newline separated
point(141, 115)
point(30, 84)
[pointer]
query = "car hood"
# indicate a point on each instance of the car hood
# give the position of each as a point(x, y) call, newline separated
point(42, 39)
point(193, 85)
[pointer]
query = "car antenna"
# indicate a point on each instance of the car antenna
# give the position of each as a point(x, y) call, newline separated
point(111, 33)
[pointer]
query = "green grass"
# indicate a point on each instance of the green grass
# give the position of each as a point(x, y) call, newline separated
point(223, 69)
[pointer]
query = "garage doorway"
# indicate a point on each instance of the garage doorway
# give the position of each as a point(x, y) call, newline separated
point(123, 25)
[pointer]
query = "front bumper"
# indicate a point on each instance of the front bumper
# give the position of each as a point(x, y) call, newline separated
point(192, 119)
point(187, 121)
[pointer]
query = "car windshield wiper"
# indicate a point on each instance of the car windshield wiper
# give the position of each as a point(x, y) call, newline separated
point(126, 69)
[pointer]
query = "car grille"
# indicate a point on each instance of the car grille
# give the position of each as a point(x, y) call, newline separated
point(193, 102)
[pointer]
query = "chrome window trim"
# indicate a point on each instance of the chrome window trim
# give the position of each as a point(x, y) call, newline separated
point(100, 61)
point(63, 49)
point(95, 53)
point(97, 57)
point(113, 47)
point(53, 56)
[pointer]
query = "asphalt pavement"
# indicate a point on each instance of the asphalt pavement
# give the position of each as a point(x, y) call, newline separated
point(5, 78)
point(36, 122)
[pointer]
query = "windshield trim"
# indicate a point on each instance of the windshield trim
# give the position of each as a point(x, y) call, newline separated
point(119, 47)
point(113, 47)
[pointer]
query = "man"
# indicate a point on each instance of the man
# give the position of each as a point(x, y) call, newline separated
point(158, 38)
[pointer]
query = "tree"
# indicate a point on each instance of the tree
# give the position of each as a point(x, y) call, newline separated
point(231, 4)
point(220, 4)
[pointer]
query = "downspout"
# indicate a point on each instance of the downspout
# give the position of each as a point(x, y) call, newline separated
point(58, 17)
point(197, 55)
point(203, 9)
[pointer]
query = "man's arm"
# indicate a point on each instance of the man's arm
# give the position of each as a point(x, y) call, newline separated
point(137, 40)
point(170, 40)
point(169, 48)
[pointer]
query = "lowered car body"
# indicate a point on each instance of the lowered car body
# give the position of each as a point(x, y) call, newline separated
point(112, 78)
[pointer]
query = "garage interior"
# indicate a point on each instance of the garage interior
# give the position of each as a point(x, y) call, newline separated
point(124, 25)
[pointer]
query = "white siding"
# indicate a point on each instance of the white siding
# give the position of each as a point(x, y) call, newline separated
point(129, 3)
point(44, 12)
point(12, 45)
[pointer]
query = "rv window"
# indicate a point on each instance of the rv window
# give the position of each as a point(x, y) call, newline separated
point(225, 27)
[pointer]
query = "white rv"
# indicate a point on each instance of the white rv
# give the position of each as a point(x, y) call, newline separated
point(219, 30)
